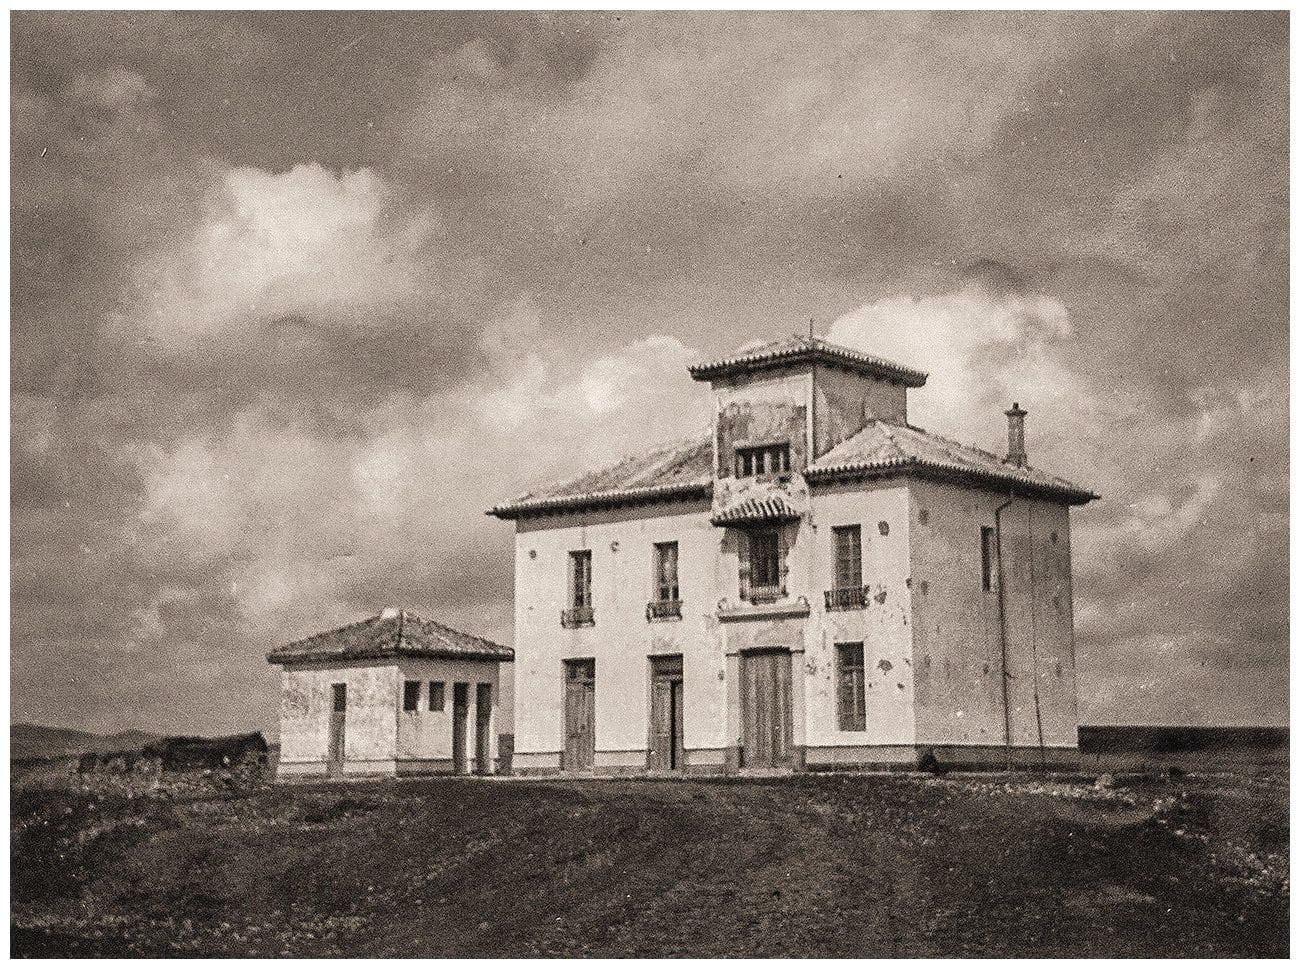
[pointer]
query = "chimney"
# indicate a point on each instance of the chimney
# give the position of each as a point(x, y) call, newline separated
point(390, 612)
point(1016, 437)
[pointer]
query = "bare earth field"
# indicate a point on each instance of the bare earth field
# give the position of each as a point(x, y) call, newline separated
point(809, 865)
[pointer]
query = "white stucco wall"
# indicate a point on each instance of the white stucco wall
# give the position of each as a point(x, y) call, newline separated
point(883, 627)
point(379, 736)
point(426, 735)
point(621, 543)
point(370, 738)
point(957, 640)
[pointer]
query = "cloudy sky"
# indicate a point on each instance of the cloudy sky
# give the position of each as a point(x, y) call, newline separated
point(296, 297)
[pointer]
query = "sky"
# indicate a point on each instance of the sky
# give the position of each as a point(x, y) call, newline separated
point(296, 297)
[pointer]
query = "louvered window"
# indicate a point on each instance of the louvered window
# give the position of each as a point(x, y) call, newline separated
point(851, 686)
point(762, 568)
point(848, 556)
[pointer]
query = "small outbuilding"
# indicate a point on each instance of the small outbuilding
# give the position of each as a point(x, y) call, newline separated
point(393, 694)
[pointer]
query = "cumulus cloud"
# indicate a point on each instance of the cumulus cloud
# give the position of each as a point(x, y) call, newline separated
point(984, 345)
point(305, 241)
point(295, 527)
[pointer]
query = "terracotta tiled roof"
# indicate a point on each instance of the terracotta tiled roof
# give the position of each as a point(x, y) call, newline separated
point(882, 448)
point(770, 508)
point(814, 349)
point(389, 635)
point(683, 470)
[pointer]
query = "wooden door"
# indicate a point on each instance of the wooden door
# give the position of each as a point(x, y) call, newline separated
point(483, 729)
point(667, 748)
point(459, 727)
point(679, 736)
point(766, 713)
point(579, 715)
point(338, 728)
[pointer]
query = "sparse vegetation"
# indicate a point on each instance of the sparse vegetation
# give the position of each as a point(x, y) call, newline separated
point(225, 865)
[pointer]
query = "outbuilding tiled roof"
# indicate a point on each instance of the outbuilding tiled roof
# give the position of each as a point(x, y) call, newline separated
point(883, 447)
point(814, 349)
point(682, 470)
point(394, 633)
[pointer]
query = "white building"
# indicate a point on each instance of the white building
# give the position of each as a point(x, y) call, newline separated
point(814, 583)
point(393, 694)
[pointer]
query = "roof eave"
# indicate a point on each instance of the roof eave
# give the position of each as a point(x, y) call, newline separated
point(600, 499)
point(877, 368)
point(288, 659)
point(895, 466)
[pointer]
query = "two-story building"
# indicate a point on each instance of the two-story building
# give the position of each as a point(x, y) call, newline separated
point(814, 583)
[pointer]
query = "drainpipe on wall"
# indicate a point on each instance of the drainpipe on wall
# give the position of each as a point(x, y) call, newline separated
point(1002, 628)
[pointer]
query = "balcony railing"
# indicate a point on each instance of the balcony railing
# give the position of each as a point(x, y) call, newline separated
point(850, 597)
point(665, 610)
point(764, 593)
point(576, 618)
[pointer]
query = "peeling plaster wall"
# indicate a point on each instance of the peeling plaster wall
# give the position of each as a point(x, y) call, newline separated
point(425, 734)
point(843, 400)
point(622, 640)
point(883, 627)
point(957, 644)
point(761, 410)
point(305, 704)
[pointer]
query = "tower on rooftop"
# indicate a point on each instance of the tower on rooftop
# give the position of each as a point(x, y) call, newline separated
point(800, 393)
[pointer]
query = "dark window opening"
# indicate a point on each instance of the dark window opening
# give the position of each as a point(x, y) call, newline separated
point(580, 669)
point(768, 459)
point(848, 556)
point(411, 695)
point(761, 576)
point(580, 580)
point(665, 565)
point(851, 701)
point(437, 696)
point(987, 551)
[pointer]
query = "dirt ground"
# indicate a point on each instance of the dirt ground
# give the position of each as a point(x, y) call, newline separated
point(809, 865)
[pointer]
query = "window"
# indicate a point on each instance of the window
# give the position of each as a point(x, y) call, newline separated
point(437, 696)
point(987, 553)
point(665, 575)
point(768, 459)
point(848, 556)
point(340, 691)
point(580, 612)
point(761, 567)
point(851, 700)
point(580, 580)
point(581, 670)
point(411, 695)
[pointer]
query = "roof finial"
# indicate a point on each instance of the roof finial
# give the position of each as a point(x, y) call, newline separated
point(810, 328)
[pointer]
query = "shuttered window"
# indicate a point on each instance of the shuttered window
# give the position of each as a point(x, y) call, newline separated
point(851, 700)
point(580, 580)
point(762, 566)
point(848, 556)
point(437, 696)
point(665, 566)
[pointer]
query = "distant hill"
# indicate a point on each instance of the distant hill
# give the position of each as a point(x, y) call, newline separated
point(31, 740)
